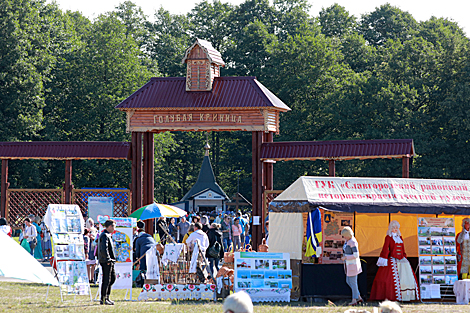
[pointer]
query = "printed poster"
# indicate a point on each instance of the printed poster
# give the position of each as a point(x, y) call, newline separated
point(437, 254)
point(122, 241)
point(332, 244)
point(97, 206)
point(264, 272)
point(66, 225)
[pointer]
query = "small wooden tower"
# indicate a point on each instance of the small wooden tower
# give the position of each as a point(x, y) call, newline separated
point(203, 65)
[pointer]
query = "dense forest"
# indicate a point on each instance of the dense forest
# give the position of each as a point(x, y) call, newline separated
point(381, 76)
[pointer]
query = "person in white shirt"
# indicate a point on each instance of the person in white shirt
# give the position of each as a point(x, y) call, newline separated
point(30, 234)
point(218, 219)
point(200, 236)
point(4, 227)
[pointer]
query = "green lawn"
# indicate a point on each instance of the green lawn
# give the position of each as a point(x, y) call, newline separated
point(25, 297)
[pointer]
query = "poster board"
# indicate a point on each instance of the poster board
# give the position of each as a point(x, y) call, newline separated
point(437, 255)
point(264, 276)
point(66, 224)
point(123, 247)
point(332, 243)
point(100, 206)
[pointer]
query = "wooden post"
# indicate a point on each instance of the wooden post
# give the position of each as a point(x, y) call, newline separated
point(4, 189)
point(148, 175)
point(257, 186)
point(136, 170)
point(268, 181)
point(405, 161)
point(332, 168)
point(68, 182)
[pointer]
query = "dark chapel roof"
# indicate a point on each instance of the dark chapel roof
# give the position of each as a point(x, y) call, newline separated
point(205, 181)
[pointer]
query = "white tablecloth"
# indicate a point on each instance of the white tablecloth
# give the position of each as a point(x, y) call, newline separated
point(177, 292)
point(462, 291)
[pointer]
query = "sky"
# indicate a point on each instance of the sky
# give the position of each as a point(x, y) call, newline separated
point(422, 10)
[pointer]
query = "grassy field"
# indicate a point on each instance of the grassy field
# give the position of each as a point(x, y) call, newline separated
point(24, 297)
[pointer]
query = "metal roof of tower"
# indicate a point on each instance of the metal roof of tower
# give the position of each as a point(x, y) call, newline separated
point(227, 92)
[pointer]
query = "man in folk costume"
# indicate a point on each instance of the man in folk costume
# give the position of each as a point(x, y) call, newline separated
point(463, 249)
point(395, 280)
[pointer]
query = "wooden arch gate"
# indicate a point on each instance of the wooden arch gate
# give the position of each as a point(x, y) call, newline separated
point(201, 101)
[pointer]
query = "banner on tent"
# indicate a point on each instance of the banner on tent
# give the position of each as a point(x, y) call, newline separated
point(437, 255)
point(384, 190)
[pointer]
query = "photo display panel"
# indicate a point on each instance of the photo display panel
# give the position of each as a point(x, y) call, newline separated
point(437, 255)
point(263, 275)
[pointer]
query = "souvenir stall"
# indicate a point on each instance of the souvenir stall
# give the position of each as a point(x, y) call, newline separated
point(368, 205)
point(177, 275)
point(66, 225)
point(123, 244)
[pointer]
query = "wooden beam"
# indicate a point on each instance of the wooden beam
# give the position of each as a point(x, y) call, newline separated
point(4, 189)
point(148, 175)
point(331, 168)
point(68, 182)
point(268, 181)
point(257, 186)
point(405, 167)
point(136, 171)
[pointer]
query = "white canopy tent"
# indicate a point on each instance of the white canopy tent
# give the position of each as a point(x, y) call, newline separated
point(16, 262)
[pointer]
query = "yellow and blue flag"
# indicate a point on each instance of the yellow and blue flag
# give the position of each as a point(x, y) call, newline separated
point(314, 236)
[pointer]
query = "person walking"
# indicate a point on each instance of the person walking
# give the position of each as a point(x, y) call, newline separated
point(236, 233)
point(215, 245)
point(352, 263)
point(226, 229)
point(91, 260)
point(107, 258)
point(30, 234)
point(200, 236)
point(242, 224)
point(38, 250)
point(143, 243)
point(183, 227)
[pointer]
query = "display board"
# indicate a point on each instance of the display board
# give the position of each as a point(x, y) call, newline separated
point(66, 225)
point(100, 206)
point(123, 246)
point(332, 244)
point(264, 276)
point(437, 255)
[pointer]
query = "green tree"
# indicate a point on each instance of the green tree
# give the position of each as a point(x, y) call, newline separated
point(335, 21)
point(170, 39)
point(387, 22)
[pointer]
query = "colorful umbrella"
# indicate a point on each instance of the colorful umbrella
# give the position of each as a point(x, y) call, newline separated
point(155, 210)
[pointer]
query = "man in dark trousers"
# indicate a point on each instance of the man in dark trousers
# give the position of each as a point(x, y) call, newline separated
point(107, 258)
point(143, 243)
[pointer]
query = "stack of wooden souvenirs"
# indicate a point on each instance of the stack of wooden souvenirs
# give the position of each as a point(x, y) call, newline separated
point(176, 282)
